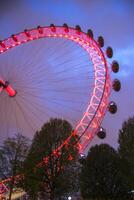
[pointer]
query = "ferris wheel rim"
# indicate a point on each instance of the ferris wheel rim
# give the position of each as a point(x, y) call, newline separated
point(102, 106)
point(101, 74)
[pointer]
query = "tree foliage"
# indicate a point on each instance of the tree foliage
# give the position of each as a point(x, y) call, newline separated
point(12, 156)
point(126, 149)
point(101, 177)
point(56, 177)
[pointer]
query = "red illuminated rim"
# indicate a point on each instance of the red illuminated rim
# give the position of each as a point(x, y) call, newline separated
point(97, 106)
point(3, 188)
point(90, 122)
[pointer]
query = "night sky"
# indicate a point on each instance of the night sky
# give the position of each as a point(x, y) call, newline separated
point(112, 19)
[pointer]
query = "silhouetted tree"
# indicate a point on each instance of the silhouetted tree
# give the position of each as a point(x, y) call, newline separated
point(57, 175)
point(126, 150)
point(101, 177)
point(12, 156)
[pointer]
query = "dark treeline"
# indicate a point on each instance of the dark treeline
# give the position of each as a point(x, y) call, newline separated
point(104, 174)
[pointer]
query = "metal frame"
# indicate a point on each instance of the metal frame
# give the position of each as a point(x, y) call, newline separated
point(90, 122)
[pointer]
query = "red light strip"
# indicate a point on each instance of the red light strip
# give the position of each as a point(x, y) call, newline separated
point(8, 88)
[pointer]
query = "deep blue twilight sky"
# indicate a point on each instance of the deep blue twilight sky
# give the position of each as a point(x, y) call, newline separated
point(114, 19)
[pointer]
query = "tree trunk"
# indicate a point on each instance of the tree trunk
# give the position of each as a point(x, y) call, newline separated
point(11, 188)
point(51, 196)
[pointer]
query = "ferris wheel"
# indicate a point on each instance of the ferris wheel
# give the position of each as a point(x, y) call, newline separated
point(56, 72)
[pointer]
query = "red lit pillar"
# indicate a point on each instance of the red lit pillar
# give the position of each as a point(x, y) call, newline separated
point(4, 85)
